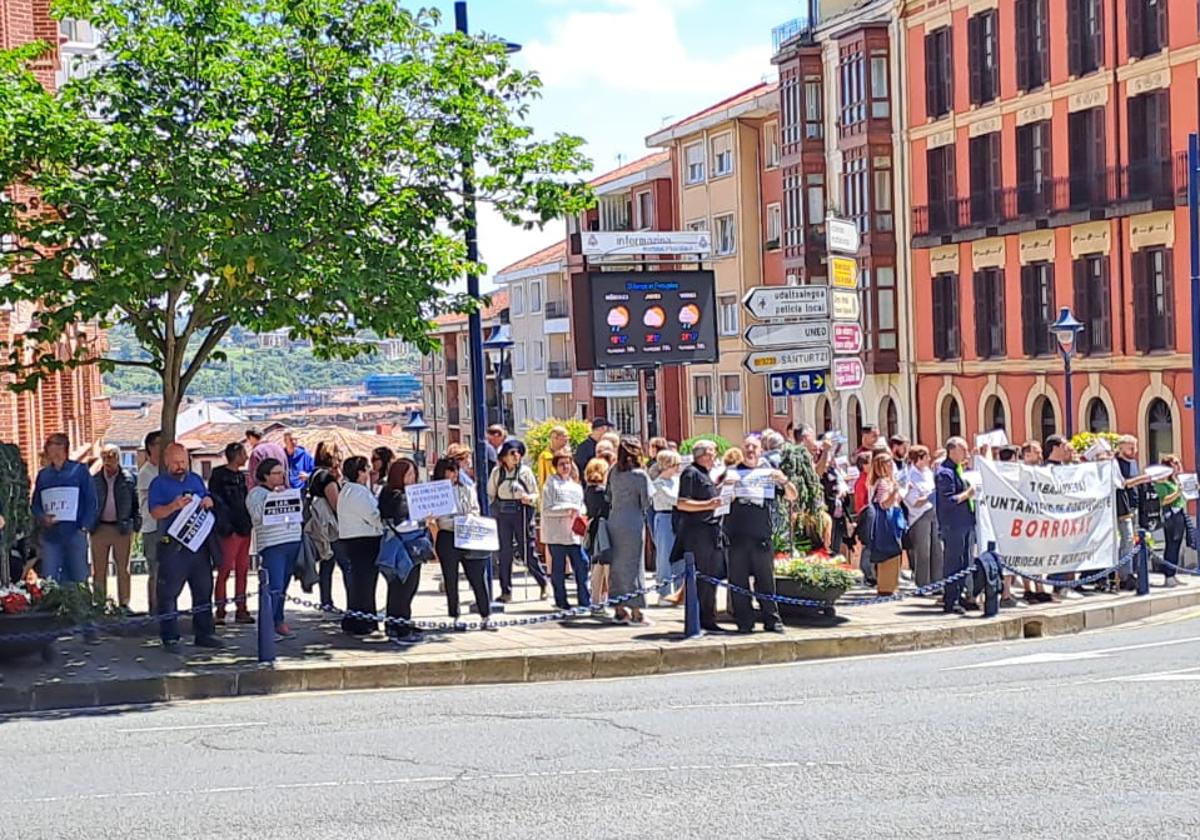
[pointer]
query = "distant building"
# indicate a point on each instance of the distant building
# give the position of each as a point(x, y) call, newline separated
point(402, 385)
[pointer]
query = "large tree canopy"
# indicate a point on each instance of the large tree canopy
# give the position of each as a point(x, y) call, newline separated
point(268, 163)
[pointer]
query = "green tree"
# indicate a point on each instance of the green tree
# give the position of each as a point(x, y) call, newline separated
point(266, 163)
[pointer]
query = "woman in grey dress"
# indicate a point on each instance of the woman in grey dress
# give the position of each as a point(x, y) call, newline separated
point(628, 496)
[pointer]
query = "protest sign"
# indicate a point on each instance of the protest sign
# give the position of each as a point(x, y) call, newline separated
point(727, 491)
point(992, 439)
point(283, 508)
point(476, 533)
point(433, 498)
point(61, 502)
point(756, 485)
point(1048, 519)
point(1190, 486)
point(192, 525)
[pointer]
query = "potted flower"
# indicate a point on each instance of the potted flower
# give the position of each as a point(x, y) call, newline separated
point(809, 580)
point(41, 607)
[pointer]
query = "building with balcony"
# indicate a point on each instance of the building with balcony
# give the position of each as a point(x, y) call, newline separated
point(840, 132)
point(541, 359)
point(1046, 168)
point(726, 162)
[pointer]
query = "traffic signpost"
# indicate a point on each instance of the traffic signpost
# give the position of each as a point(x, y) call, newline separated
point(787, 303)
point(848, 373)
point(786, 361)
point(847, 338)
point(799, 334)
point(798, 383)
point(842, 236)
point(845, 305)
point(843, 273)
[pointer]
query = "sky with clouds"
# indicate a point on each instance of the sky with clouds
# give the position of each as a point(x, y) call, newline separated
point(615, 71)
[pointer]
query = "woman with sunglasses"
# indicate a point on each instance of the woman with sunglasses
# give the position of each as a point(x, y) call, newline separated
point(359, 531)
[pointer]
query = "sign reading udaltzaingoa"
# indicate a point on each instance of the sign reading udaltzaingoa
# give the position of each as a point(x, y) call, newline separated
point(1049, 519)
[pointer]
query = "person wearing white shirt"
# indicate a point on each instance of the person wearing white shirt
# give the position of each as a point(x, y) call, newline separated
point(277, 537)
point(147, 474)
point(664, 498)
point(925, 553)
point(359, 531)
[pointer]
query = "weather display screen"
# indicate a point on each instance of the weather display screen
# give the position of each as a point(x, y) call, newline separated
point(653, 317)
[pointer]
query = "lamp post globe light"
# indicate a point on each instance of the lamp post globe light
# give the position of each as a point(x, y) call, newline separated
point(474, 324)
point(416, 426)
point(499, 343)
point(1066, 329)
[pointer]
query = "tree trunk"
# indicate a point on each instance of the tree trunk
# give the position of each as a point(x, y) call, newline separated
point(171, 400)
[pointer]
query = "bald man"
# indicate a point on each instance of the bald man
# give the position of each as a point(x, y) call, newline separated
point(177, 564)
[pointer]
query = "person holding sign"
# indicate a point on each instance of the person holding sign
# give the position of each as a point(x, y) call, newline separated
point(64, 505)
point(275, 512)
point(360, 531)
point(181, 562)
point(450, 556)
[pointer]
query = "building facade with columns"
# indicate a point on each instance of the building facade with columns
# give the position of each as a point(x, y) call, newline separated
point(1046, 147)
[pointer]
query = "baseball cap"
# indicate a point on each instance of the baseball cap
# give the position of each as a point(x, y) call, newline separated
point(601, 423)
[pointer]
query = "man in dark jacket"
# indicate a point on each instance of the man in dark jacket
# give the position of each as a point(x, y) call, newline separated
point(64, 505)
point(956, 518)
point(120, 516)
point(227, 485)
point(700, 528)
point(587, 449)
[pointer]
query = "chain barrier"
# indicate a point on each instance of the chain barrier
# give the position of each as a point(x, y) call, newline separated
point(1078, 582)
point(919, 592)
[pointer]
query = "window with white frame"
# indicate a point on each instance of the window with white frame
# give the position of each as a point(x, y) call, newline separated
point(539, 409)
point(516, 300)
point(725, 235)
point(779, 406)
point(722, 155)
point(441, 401)
point(728, 306)
point(771, 145)
point(464, 399)
point(774, 224)
point(522, 412)
point(731, 394)
point(698, 224)
point(644, 210)
point(535, 297)
point(518, 352)
point(693, 156)
point(702, 395)
point(539, 358)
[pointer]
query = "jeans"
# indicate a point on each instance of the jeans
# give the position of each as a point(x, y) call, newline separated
point(325, 570)
point(235, 559)
point(666, 573)
point(1174, 530)
point(1126, 526)
point(559, 554)
point(517, 528)
point(65, 559)
point(279, 561)
point(178, 566)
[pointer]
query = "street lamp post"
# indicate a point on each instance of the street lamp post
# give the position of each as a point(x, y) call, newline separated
point(1065, 329)
point(416, 426)
point(474, 322)
point(1194, 230)
point(499, 343)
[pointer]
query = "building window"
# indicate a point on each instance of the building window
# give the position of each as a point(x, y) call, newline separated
point(702, 395)
point(881, 106)
point(779, 406)
point(518, 352)
point(522, 412)
point(729, 315)
point(952, 425)
point(854, 415)
point(644, 211)
point(825, 414)
point(879, 310)
point(1097, 416)
point(989, 313)
point(1153, 301)
point(731, 394)
point(1150, 158)
point(725, 235)
point(539, 409)
point(939, 73)
point(814, 108)
point(1037, 308)
point(1147, 27)
point(516, 301)
point(722, 155)
point(947, 336)
point(941, 188)
point(984, 59)
point(539, 355)
point(1160, 430)
point(994, 415)
point(985, 178)
point(774, 224)
point(789, 108)
point(694, 155)
point(814, 187)
point(1045, 418)
point(1034, 168)
point(851, 77)
point(1093, 305)
point(889, 417)
point(881, 196)
point(856, 201)
point(535, 297)
point(1033, 44)
point(1087, 155)
point(771, 145)
point(1085, 36)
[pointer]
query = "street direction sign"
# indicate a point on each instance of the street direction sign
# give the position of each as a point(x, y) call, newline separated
point(782, 361)
point(798, 383)
point(843, 272)
point(845, 305)
point(799, 334)
point(787, 303)
point(842, 236)
point(848, 374)
point(847, 338)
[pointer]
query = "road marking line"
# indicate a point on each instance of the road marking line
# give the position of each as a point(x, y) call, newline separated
point(1083, 655)
point(416, 780)
point(193, 726)
point(748, 705)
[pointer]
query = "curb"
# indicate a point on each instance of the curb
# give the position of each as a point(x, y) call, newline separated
point(550, 664)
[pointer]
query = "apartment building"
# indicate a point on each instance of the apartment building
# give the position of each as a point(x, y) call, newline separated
point(541, 358)
point(726, 174)
point(841, 139)
point(1047, 144)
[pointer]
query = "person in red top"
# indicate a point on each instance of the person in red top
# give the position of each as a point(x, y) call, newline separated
point(862, 504)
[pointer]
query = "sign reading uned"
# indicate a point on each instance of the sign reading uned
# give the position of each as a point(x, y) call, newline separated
point(643, 318)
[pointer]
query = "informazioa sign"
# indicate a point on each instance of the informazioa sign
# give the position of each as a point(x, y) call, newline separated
point(1048, 519)
point(626, 243)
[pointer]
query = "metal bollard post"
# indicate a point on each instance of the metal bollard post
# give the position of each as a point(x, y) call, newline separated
point(991, 596)
point(1142, 564)
point(266, 619)
point(691, 599)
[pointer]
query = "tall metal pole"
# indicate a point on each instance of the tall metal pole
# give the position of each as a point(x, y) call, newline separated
point(1070, 412)
point(474, 322)
point(1194, 220)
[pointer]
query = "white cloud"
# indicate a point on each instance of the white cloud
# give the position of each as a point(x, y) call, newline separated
point(635, 45)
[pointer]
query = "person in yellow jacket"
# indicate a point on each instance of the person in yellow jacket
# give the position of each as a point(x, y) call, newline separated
point(559, 441)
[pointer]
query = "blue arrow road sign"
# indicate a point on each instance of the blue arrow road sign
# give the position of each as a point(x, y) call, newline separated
point(798, 383)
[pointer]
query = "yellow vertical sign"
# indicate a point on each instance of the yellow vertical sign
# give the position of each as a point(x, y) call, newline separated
point(843, 272)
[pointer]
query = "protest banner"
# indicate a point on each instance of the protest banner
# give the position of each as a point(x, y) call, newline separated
point(61, 502)
point(284, 507)
point(1048, 519)
point(433, 498)
point(476, 533)
point(192, 525)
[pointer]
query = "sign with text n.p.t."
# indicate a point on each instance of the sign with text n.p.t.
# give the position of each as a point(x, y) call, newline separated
point(787, 303)
point(645, 318)
point(798, 383)
point(783, 361)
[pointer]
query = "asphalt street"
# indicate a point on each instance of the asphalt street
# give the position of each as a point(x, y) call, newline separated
point(1088, 736)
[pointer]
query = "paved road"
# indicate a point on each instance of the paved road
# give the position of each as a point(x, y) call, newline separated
point(1090, 736)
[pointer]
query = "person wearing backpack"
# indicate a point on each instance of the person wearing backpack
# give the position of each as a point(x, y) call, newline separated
point(513, 494)
point(956, 519)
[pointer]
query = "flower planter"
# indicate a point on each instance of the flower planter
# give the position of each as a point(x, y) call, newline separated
point(792, 588)
point(19, 624)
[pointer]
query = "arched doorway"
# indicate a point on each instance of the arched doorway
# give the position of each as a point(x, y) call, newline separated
point(952, 424)
point(824, 414)
point(1097, 416)
point(855, 415)
point(994, 415)
point(1160, 430)
point(1045, 419)
point(889, 417)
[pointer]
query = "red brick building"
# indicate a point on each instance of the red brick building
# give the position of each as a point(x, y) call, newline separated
point(1046, 142)
point(73, 401)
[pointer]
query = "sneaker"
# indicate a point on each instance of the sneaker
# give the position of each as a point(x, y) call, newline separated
point(406, 641)
point(282, 631)
point(171, 645)
point(1171, 583)
point(210, 642)
point(1008, 603)
point(505, 598)
point(1072, 595)
point(244, 618)
point(219, 616)
point(775, 628)
point(957, 609)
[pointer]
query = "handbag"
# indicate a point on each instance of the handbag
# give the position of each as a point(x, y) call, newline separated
point(418, 544)
point(887, 534)
point(393, 560)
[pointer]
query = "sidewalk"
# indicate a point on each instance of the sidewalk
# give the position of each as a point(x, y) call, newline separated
point(135, 669)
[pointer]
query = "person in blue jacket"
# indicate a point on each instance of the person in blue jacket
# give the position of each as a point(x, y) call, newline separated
point(956, 519)
point(299, 463)
point(64, 505)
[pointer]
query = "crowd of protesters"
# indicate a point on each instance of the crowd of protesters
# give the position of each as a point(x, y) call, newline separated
point(594, 514)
